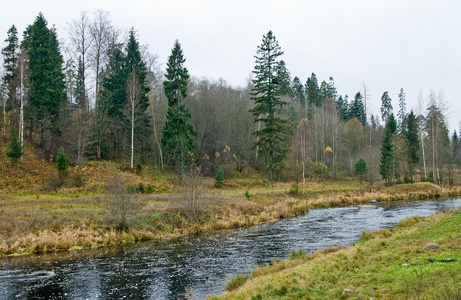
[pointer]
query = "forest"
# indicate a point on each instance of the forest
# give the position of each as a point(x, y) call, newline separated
point(101, 95)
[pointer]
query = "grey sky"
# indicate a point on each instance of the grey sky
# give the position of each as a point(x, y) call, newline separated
point(388, 44)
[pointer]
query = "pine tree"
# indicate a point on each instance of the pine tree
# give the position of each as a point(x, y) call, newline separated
point(412, 142)
point(386, 167)
point(386, 106)
point(273, 137)
point(177, 133)
point(402, 113)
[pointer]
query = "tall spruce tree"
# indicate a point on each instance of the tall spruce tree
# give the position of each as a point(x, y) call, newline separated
point(273, 137)
point(312, 88)
point(47, 94)
point(386, 106)
point(412, 142)
point(343, 107)
point(10, 64)
point(387, 162)
point(136, 68)
point(357, 109)
point(178, 134)
point(298, 91)
point(284, 80)
point(111, 102)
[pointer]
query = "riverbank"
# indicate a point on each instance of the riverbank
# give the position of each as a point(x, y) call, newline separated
point(62, 221)
point(385, 264)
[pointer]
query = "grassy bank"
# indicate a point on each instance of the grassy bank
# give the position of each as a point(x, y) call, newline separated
point(37, 217)
point(386, 264)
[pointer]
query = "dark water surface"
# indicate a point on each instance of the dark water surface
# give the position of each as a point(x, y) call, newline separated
point(198, 264)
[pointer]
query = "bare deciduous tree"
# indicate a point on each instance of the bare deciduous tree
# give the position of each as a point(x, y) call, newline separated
point(133, 90)
point(122, 204)
point(193, 200)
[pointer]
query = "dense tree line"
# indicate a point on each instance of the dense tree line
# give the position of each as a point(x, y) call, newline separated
point(102, 95)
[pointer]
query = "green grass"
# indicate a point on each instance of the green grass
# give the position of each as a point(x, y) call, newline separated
point(375, 267)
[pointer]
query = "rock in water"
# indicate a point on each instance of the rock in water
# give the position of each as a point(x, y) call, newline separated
point(429, 246)
point(367, 206)
point(372, 201)
point(348, 292)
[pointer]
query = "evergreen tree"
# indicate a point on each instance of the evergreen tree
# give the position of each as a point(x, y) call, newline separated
point(80, 93)
point(324, 92)
point(62, 165)
point(284, 79)
point(454, 154)
point(298, 91)
point(177, 133)
point(137, 68)
point(113, 87)
point(46, 76)
point(412, 142)
point(402, 113)
point(61, 160)
point(343, 107)
point(361, 169)
point(312, 88)
point(386, 106)
point(10, 64)
point(219, 178)
point(357, 109)
point(387, 162)
point(14, 151)
point(272, 139)
point(332, 93)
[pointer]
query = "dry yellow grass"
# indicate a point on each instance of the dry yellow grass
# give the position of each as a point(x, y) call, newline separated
point(33, 220)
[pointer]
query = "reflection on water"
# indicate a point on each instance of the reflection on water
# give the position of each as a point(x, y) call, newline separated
point(163, 270)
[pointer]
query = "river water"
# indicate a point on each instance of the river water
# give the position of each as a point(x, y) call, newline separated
point(195, 266)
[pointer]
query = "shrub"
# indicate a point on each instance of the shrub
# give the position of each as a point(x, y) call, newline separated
point(122, 204)
point(294, 189)
point(138, 168)
point(247, 194)
point(193, 200)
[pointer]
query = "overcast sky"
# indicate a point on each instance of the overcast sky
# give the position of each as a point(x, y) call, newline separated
point(386, 44)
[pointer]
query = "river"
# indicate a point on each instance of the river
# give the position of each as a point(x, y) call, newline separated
point(196, 266)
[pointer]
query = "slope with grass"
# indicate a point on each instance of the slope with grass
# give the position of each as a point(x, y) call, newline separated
point(40, 214)
point(386, 264)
